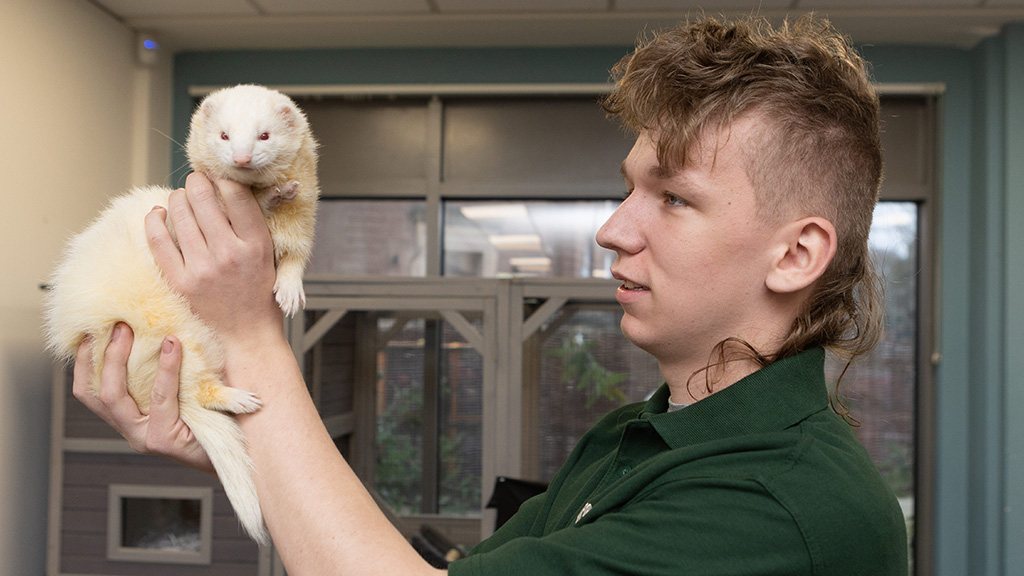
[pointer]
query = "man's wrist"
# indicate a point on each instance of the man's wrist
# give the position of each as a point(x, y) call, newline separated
point(264, 356)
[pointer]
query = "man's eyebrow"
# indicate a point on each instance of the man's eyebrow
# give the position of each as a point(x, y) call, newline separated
point(656, 171)
point(659, 172)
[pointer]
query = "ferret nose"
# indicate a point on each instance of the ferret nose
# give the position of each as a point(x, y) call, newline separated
point(242, 159)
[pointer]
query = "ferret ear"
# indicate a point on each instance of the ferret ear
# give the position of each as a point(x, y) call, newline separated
point(287, 113)
point(209, 106)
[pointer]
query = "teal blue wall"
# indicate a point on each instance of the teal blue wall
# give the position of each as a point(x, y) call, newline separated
point(1013, 249)
point(978, 468)
point(960, 417)
point(985, 404)
point(979, 465)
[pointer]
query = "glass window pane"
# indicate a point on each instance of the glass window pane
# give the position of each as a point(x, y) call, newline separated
point(405, 428)
point(881, 389)
point(586, 369)
point(399, 476)
point(370, 238)
point(460, 439)
point(529, 238)
point(161, 523)
point(329, 368)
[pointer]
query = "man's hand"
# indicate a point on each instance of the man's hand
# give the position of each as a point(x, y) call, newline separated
point(161, 432)
point(225, 264)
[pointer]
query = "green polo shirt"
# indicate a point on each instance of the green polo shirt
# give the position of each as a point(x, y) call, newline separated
point(759, 478)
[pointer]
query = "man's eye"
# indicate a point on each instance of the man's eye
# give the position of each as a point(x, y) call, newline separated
point(673, 200)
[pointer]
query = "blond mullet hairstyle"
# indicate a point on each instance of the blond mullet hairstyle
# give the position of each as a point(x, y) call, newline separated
point(818, 154)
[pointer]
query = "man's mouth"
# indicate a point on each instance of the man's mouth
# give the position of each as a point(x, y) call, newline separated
point(627, 285)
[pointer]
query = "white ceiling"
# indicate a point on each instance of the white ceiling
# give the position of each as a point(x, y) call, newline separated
point(232, 24)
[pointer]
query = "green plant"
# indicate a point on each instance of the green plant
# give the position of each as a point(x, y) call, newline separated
point(399, 454)
point(582, 369)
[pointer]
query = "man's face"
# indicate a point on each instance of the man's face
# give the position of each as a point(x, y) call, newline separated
point(691, 252)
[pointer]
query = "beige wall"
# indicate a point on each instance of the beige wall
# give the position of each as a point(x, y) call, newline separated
point(73, 112)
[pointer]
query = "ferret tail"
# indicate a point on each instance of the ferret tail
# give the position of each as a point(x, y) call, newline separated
point(225, 444)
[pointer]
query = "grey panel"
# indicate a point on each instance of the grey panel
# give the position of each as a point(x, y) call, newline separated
point(908, 136)
point(532, 140)
point(364, 142)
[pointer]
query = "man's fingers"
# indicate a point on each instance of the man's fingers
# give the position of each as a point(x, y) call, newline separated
point(191, 238)
point(163, 407)
point(242, 209)
point(109, 397)
point(82, 386)
point(167, 434)
point(162, 431)
point(203, 199)
point(161, 244)
point(114, 404)
point(114, 374)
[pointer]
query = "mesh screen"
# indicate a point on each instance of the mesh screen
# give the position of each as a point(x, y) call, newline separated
point(586, 369)
point(402, 423)
point(460, 434)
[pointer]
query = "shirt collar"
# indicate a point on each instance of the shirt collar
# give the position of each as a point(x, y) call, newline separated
point(771, 399)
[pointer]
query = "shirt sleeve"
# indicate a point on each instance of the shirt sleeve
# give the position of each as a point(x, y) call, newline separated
point(697, 526)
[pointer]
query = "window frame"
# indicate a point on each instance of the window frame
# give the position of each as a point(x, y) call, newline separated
point(117, 493)
point(436, 191)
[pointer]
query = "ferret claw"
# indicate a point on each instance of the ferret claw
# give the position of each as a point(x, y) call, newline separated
point(274, 196)
point(290, 296)
point(239, 401)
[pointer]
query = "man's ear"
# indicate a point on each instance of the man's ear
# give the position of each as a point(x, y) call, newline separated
point(804, 250)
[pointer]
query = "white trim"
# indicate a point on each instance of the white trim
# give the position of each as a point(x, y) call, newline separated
point(392, 303)
point(320, 328)
point(911, 89)
point(117, 552)
point(548, 309)
point(465, 328)
point(56, 496)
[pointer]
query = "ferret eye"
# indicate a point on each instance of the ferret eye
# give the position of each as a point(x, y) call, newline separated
point(224, 136)
point(265, 136)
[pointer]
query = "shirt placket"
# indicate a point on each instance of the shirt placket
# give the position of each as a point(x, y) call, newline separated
point(638, 442)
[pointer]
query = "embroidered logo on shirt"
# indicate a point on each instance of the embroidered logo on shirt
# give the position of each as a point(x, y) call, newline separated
point(583, 512)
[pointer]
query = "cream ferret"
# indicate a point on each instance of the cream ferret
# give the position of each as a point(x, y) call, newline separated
point(246, 133)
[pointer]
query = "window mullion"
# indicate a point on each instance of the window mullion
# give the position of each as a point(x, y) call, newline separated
point(434, 170)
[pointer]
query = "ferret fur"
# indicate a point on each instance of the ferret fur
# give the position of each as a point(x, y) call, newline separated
point(107, 274)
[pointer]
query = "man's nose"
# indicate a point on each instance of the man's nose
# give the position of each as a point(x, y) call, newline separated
point(619, 233)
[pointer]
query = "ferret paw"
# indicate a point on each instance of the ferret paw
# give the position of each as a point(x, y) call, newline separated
point(288, 191)
point(290, 297)
point(274, 196)
point(237, 401)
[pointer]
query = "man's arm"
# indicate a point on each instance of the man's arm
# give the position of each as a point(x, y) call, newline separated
point(320, 516)
point(322, 519)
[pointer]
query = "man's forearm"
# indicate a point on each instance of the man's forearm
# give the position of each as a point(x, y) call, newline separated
point(320, 516)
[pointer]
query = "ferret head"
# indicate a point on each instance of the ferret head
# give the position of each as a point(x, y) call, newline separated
point(246, 133)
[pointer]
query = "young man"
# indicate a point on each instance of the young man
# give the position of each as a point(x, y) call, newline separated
point(742, 250)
